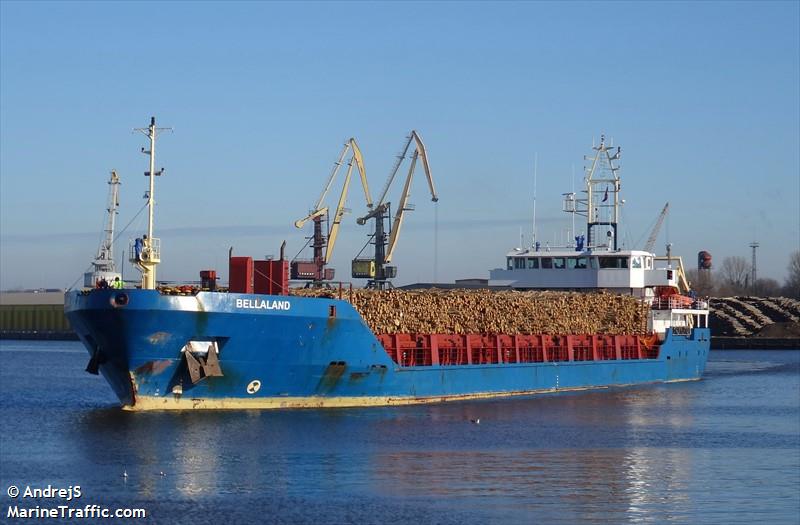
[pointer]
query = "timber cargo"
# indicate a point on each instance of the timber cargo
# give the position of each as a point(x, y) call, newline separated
point(260, 344)
point(497, 312)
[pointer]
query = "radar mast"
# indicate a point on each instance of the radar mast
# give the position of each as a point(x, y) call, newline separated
point(601, 202)
point(146, 252)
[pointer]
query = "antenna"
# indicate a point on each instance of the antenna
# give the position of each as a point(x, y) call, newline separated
point(754, 245)
point(535, 170)
point(574, 233)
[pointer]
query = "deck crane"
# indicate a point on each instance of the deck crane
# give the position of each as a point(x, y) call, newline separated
point(651, 241)
point(314, 270)
point(683, 283)
point(377, 269)
point(103, 265)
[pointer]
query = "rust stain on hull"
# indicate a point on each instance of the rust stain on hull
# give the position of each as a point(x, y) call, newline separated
point(153, 367)
point(331, 376)
point(158, 337)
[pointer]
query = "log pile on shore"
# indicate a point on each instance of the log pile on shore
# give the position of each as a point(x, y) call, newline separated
point(746, 316)
point(494, 312)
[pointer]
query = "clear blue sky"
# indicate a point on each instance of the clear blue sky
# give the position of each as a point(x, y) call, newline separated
point(703, 97)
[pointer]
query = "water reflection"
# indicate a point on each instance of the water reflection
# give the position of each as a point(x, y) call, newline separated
point(656, 479)
point(640, 455)
point(521, 447)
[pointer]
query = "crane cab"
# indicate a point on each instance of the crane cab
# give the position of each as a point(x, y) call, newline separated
point(363, 269)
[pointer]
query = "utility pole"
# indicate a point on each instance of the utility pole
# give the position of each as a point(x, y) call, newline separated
point(753, 245)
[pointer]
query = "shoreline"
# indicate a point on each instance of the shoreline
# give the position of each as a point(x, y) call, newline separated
point(754, 343)
point(38, 335)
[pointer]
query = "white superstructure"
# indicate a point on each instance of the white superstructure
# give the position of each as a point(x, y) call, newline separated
point(596, 263)
point(620, 271)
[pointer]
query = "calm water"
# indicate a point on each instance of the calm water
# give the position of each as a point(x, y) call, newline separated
point(722, 450)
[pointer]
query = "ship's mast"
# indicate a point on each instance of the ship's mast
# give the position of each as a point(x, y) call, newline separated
point(104, 262)
point(151, 249)
point(601, 204)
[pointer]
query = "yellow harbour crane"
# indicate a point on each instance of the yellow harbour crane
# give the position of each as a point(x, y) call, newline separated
point(377, 269)
point(314, 270)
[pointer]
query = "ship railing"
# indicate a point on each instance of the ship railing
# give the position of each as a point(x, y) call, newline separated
point(677, 302)
point(144, 250)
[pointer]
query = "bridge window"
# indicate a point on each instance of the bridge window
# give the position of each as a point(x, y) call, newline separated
point(509, 263)
point(613, 262)
point(648, 263)
point(547, 263)
point(533, 263)
point(559, 263)
point(593, 263)
point(608, 262)
point(519, 263)
point(577, 262)
point(636, 262)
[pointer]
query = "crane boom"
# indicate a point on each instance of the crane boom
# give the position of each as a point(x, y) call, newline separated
point(103, 267)
point(424, 154)
point(337, 217)
point(358, 161)
point(319, 210)
point(398, 216)
point(313, 215)
point(376, 268)
point(105, 254)
point(319, 273)
point(395, 168)
point(419, 152)
point(361, 170)
point(651, 241)
point(334, 171)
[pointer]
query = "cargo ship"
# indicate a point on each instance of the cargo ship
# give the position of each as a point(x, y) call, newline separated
point(256, 345)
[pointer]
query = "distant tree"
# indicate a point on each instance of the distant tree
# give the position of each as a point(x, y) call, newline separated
point(734, 274)
point(701, 281)
point(792, 286)
point(767, 288)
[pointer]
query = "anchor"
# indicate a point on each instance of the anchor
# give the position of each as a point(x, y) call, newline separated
point(203, 367)
point(97, 359)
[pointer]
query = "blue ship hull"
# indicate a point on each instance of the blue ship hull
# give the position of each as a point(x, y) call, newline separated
point(291, 352)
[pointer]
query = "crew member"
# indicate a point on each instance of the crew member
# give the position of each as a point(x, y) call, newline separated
point(137, 247)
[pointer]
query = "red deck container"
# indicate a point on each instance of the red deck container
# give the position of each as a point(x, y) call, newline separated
point(241, 275)
point(271, 277)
